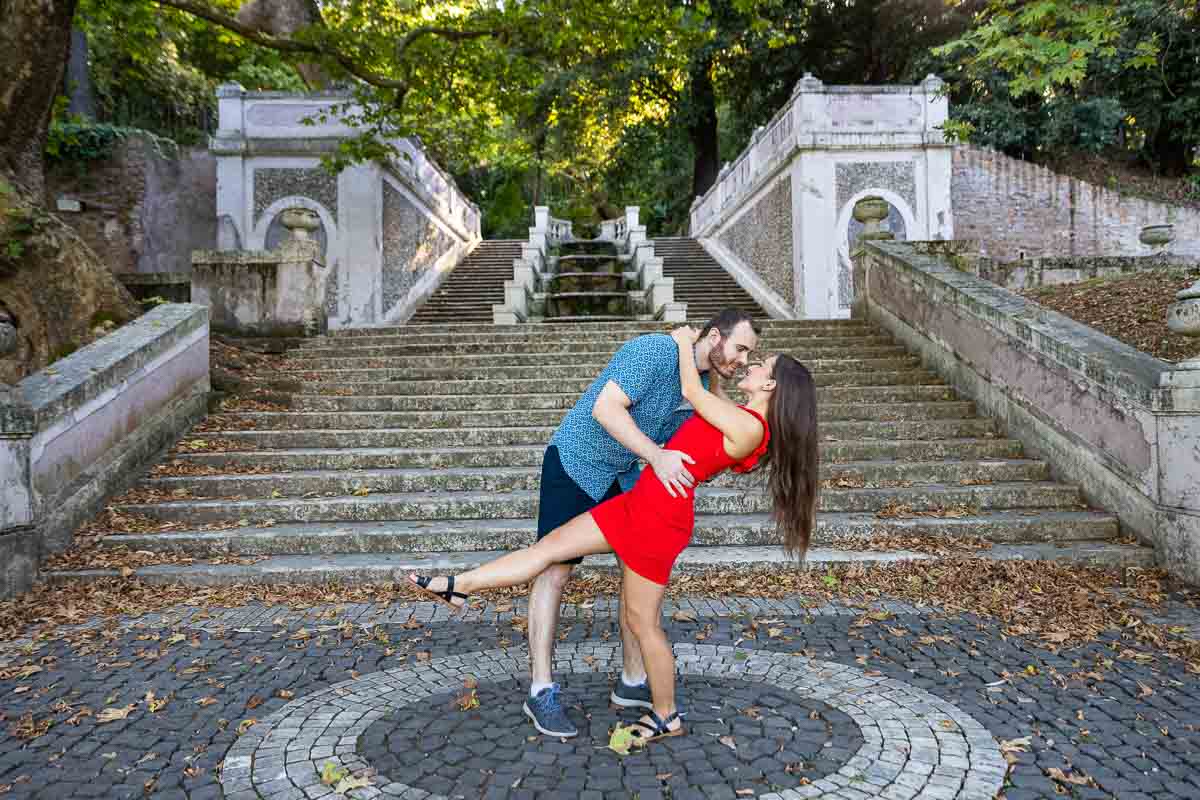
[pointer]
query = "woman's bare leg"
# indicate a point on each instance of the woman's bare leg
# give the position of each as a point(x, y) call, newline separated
point(643, 601)
point(579, 537)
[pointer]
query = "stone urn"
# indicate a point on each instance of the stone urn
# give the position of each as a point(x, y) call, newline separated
point(1157, 235)
point(301, 223)
point(871, 212)
point(1183, 316)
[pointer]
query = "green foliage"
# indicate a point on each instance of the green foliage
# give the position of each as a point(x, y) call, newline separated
point(80, 141)
point(1049, 78)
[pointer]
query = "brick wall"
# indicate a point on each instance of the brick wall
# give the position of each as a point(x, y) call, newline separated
point(145, 207)
point(1020, 210)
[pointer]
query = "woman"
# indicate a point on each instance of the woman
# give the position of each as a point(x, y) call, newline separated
point(648, 528)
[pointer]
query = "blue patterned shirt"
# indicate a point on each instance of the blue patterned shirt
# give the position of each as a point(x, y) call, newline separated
point(647, 370)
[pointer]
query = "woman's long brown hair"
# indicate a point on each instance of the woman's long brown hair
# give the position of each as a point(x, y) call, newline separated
point(792, 453)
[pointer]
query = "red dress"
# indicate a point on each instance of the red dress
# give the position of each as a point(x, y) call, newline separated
point(647, 527)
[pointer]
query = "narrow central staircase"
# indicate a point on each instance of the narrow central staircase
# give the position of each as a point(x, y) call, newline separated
point(419, 447)
point(473, 287)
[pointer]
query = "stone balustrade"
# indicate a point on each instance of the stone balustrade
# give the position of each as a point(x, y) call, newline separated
point(654, 298)
point(83, 429)
point(278, 292)
point(1122, 424)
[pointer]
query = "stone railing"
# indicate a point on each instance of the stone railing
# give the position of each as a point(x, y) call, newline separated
point(278, 292)
point(84, 428)
point(1123, 425)
point(559, 231)
point(654, 297)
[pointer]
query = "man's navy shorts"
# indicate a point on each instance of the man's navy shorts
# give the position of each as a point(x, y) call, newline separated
point(561, 499)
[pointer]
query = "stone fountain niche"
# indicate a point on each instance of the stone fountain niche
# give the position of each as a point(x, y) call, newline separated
point(586, 279)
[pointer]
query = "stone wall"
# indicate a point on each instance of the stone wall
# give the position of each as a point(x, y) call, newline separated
point(142, 209)
point(761, 238)
point(1123, 425)
point(412, 245)
point(1021, 210)
point(79, 432)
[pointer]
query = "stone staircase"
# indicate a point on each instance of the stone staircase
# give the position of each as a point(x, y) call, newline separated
point(700, 281)
point(419, 448)
point(474, 285)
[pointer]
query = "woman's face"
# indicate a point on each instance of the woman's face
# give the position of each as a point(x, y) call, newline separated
point(758, 373)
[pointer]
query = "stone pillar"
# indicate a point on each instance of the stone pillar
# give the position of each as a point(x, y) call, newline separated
point(19, 539)
point(360, 215)
point(228, 144)
point(541, 218)
point(871, 212)
point(939, 214)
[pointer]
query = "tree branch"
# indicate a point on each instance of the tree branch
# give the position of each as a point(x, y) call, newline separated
point(204, 11)
point(446, 33)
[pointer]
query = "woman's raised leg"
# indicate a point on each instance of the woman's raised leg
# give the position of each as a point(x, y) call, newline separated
point(579, 537)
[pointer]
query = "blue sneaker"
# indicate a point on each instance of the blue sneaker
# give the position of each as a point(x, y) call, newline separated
point(627, 696)
point(548, 715)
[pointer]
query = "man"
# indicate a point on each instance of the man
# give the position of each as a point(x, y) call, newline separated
point(628, 412)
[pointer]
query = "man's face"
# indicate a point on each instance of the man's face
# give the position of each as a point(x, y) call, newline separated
point(731, 353)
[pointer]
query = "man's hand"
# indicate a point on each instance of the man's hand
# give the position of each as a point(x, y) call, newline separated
point(686, 335)
point(668, 466)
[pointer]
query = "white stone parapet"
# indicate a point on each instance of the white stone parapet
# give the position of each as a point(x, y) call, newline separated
point(828, 147)
point(269, 148)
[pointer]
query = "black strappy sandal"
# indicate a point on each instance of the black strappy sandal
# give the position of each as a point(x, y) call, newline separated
point(422, 582)
point(660, 729)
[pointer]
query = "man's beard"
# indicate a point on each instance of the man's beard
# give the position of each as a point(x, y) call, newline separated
point(717, 360)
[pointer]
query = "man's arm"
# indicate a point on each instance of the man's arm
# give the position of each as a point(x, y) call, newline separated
point(611, 410)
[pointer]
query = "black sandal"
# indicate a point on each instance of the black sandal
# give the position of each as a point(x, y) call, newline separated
point(422, 582)
point(660, 729)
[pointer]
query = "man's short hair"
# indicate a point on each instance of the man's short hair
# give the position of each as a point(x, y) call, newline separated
point(727, 320)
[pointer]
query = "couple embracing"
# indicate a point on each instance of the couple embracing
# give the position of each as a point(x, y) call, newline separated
point(593, 499)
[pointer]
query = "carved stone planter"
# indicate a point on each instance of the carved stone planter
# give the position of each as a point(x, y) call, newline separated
point(1183, 316)
point(1157, 235)
point(300, 222)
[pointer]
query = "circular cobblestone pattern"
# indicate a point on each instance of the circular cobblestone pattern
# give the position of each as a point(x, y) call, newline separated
point(913, 743)
point(749, 736)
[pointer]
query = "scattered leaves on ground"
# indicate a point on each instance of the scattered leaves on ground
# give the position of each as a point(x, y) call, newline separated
point(1131, 309)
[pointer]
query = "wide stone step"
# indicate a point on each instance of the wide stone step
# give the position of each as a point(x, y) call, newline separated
point(490, 479)
point(477, 356)
point(856, 430)
point(503, 340)
point(562, 400)
point(213, 456)
point(375, 568)
point(615, 328)
point(576, 370)
point(373, 385)
point(432, 506)
point(370, 420)
point(873, 347)
point(1025, 525)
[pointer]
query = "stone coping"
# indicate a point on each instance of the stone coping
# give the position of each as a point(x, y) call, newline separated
point(204, 257)
point(1096, 358)
point(72, 382)
point(153, 278)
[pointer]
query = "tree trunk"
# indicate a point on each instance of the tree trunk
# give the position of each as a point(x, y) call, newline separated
point(35, 36)
point(1171, 153)
point(702, 127)
point(79, 78)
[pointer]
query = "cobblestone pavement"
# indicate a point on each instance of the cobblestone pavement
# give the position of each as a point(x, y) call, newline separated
point(783, 702)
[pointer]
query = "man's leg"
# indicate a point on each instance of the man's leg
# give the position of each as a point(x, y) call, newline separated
point(545, 601)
